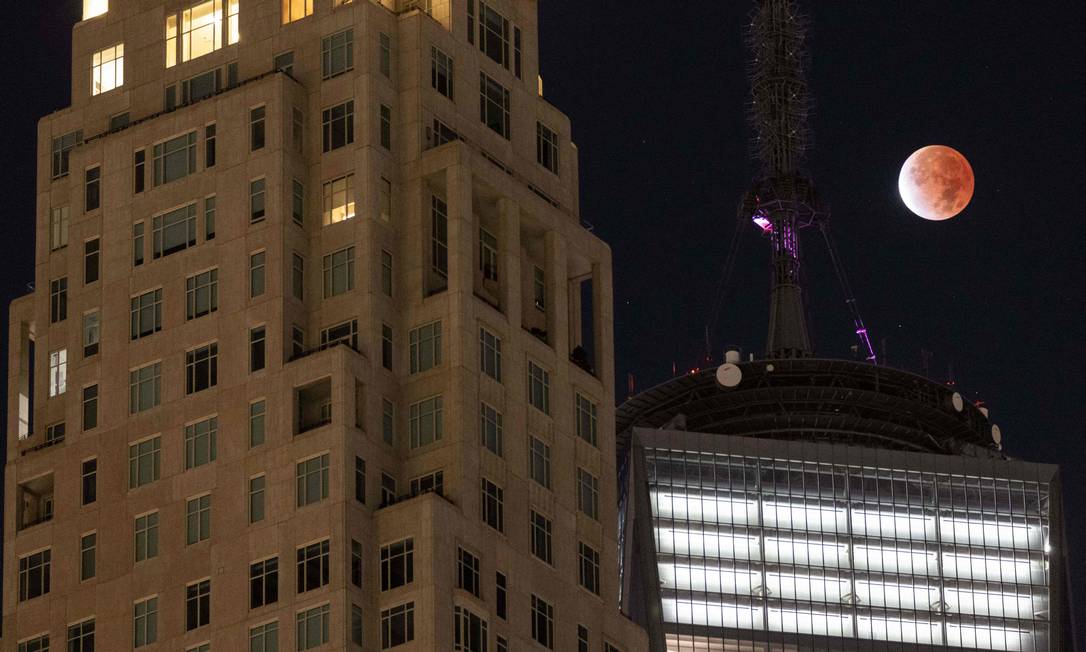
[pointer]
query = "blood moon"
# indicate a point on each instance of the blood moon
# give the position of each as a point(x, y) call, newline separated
point(936, 182)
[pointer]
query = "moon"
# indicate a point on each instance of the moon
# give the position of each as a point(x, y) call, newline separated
point(936, 182)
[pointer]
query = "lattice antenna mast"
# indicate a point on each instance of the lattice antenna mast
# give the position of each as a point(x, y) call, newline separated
point(782, 200)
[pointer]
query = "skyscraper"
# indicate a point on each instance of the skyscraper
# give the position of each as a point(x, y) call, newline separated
point(320, 353)
point(797, 503)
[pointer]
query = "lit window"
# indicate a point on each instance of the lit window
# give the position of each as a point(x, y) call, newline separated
point(92, 8)
point(58, 372)
point(338, 199)
point(107, 69)
point(58, 228)
point(296, 10)
point(201, 30)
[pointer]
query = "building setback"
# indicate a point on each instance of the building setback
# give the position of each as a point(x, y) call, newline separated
point(319, 355)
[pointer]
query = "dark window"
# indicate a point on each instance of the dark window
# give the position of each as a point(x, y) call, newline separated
point(397, 564)
point(356, 624)
point(93, 196)
point(386, 127)
point(34, 575)
point(356, 563)
point(493, 510)
point(469, 632)
point(175, 158)
point(494, 105)
point(197, 605)
point(337, 53)
point(202, 294)
point(89, 492)
point(119, 121)
point(257, 340)
point(337, 125)
point(263, 583)
point(201, 368)
point(589, 564)
point(500, 596)
point(256, 200)
point(467, 572)
point(360, 480)
point(582, 638)
point(91, 252)
point(209, 146)
point(90, 407)
point(173, 231)
point(388, 490)
point(541, 537)
point(385, 54)
point(137, 244)
point(297, 202)
point(312, 571)
point(62, 148)
point(139, 171)
point(493, 34)
point(209, 218)
point(441, 72)
point(256, 128)
point(58, 300)
point(542, 622)
point(546, 147)
point(397, 625)
point(284, 62)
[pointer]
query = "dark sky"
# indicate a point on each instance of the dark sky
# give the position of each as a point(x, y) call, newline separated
point(656, 92)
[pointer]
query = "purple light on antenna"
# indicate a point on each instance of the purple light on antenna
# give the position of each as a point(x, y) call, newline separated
point(763, 222)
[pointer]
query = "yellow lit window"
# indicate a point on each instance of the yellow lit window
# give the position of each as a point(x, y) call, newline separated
point(296, 10)
point(107, 69)
point(92, 8)
point(339, 199)
point(201, 30)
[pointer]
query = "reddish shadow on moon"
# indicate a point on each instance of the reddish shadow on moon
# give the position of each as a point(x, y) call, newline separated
point(936, 182)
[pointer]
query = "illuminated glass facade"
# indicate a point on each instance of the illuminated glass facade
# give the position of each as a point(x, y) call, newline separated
point(777, 545)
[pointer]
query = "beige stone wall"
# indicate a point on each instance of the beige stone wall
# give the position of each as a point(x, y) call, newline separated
point(485, 179)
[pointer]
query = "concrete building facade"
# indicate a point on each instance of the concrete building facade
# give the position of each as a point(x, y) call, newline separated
point(319, 354)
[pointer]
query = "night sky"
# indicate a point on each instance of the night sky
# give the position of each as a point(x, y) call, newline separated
point(657, 91)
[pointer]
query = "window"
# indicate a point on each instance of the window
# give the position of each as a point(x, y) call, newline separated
point(209, 146)
point(469, 633)
point(256, 273)
point(546, 147)
point(539, 462)
point(431, 482)
point(501, 644)
point(175, 158)
point(541, 536)
point(388, 421)
point(384, 200)
point(488, 255)
point(297, 202)
point(338, 272)
point(92, 333)
point(425, 347)
point(338, 199)
point(296, 10)
point(297, 126)
point(493, 34)
point(256, 200)
point(58, 300)
point(494, 105)
point(337, 126)
point(62, 149)
point(256, 128)
point(256, 423)
point(264, 638)
point(388, 490)
point(386, 273)
point(58, 372)
point(516, 52)
point(201, 30)
point(54, 433)
point(146, 314)
point(491, 428)
point(209, 218)
point(90, 407)
point(198, 519)
point(337, 53)
point(202, 294)
point(427, 423)
point(441, 72)
point(297, 341)
point(92, 196)
point(587, 420)
point(174, 231)
point(91, 260)
point(384, 54)
point(356, 563)
point(297, 273)
point(146, 532)
point(467, 572)
point(492, 505)
point(89, 482)
point(386, 127)
point(256, 498)
point(201, 442)
point(34, 575)
point(58, 228)
point(144, 462)
point(356, 624)
point(201, 368)
point(441, 134)
point(284, 61)
point(539, 388)
point(360, 480)
point(439, 237)
point(386, 346)
point(312, 480)
point(263, 583)
point(589, 562)
point(582, 638)
point(257, 339)
point(588, 493)
point(312, 567)
point(197, 605)
point(137, 244)
point(344, 333)
point(542, 622)
point(397, 564)
point(107, 69)
point(311, 625)
point(490, 354)
point(139, 175)
point(145, 622)
point(81, 636)
point(500, 596)
point(397, 625)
